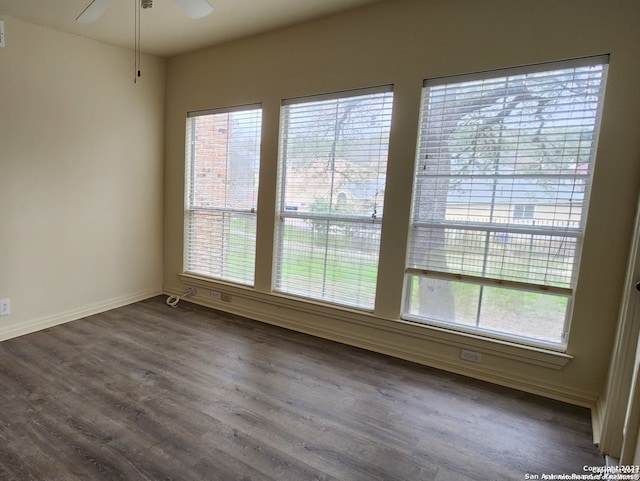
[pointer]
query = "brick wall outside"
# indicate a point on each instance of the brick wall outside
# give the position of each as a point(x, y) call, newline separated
point(209, 190)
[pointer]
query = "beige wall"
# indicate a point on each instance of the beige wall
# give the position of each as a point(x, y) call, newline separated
point(81, 167)
point(402, 42)
point(81, 161)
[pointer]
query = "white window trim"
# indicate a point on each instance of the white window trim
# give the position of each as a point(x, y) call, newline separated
point(283, 213)
point(189, 208)
point(576, 233)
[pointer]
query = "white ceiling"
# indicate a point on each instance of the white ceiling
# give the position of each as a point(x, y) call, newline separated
point(166, 29)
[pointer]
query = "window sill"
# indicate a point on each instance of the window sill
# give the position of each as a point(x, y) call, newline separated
point(538, 356)
point(338, 324)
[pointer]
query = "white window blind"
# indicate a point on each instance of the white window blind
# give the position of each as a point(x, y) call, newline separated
point(503, 170)
point(333, 161)
point(223, 162)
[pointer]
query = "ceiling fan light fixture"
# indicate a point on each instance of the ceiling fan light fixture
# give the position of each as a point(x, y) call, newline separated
point(193, 8)
point(93, 11)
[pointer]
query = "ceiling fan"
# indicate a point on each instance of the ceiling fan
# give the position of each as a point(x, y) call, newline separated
point(193, 8)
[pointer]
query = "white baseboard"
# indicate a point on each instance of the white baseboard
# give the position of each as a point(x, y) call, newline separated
point(611, 461)
point(406, 347)
point(596, 421)
point(75, 314)
point(289, 322)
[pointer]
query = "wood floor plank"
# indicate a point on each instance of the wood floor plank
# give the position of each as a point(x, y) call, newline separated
point(147, 392)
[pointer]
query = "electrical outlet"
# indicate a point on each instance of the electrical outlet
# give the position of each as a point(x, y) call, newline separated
point(215, 295)
point(5, 307)
point(470, 356)
point(226, 297)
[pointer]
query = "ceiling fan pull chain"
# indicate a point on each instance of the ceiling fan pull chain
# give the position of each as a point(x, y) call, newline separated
point(136, 52)
point(93, 11)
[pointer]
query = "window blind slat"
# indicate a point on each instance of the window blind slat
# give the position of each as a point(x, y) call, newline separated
point(532, 70)
point(503, 171)
point(333, 158)
point(223, 161)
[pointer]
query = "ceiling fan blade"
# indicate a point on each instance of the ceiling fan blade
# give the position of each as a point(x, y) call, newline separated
point(195, 8)
point(93, 11)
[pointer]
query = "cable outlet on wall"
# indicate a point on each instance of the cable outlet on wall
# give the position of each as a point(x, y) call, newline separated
point(470, 356)
point(5, 307)
point(221, 296)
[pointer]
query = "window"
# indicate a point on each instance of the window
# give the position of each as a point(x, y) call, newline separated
point(504, 163)
point(333, 158)
point(223, 161)
point(524, 211)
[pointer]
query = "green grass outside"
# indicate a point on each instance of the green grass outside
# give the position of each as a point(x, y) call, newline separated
point(531, 314)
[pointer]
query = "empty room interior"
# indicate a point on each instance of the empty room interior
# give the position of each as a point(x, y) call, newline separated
point(399, 237)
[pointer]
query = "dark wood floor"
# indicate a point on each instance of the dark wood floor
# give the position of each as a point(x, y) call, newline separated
point(152, 393)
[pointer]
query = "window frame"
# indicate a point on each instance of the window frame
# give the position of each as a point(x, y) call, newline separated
point(241, 213)
point(524, 212)
point(575, 233)
point(286, 212)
